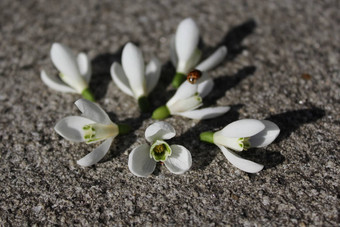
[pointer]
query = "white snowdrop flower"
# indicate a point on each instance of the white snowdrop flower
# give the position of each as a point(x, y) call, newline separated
point(241, 135)
point(133, 78)
point(75, 72)
point(143, 159)
point(188, 98)
point(93, 126)
point(185, 54)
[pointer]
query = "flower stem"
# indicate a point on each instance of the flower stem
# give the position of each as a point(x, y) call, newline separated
point(143, 103)
point(160, 113)
point(86, 93)
point(124, 129)
point(207, 137)
point(179, 78)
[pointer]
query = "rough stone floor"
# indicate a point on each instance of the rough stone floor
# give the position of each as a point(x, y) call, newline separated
point(282, 65)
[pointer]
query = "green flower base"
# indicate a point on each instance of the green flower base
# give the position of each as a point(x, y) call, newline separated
point(88, 95)
point(160, 113)
point(207, 137)
point(179, 78)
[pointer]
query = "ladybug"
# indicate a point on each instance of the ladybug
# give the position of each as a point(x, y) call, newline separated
point(193, 76)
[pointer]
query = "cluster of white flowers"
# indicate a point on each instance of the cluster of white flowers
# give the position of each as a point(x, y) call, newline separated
point(137, 80)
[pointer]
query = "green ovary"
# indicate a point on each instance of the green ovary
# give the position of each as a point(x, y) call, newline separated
point(160, 150)
point(97, 132)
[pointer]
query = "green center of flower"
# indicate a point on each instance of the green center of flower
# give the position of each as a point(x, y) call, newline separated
point(97, 132)
point(160, 150)
point(237, 144)
point(244, 143)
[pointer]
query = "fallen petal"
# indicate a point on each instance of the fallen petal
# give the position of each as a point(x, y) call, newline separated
point(133, 65)
point(187, 37)
point(205, 113)
point(140, 163)
point(65, 61)
point(213, 60)
point(266, 136)
point(120, 79)
point(71, 128)
point(96, 155)
point(159, 131)
point(242, 128)
point(241, 163)
point(180, 160)
point(56, 84)
point(205, 87)
point(84, 66)
point(152, 73)
point(184, 91)
point(93, 111)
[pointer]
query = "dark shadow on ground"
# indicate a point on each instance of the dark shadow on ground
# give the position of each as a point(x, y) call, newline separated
point(160, 95)
point(202, 152)
point(224, 83)
point(101, 76)
point(232, 40)
point(288, 122)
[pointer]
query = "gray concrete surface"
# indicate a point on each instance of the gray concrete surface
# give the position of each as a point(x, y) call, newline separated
point(272, 46)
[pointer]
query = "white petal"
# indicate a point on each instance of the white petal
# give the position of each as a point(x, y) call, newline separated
point(266, 136)
point(213, 60)
point(152, 73)
point(180, 160)
point(184, 91)
point(241, 163)
point(54, 83)
point(71, 128)
point(205, 113)
point(97, 154)
point(140, 163)
point(205, 87)
point(173, 54)
point(133, 65)
point(185, 67)
point(187, 37)
point(185, 105)
point(120, 79)
point(93, 111)
point(84, 65)
point(65, 61)
point(242, 128)
point(159, 131)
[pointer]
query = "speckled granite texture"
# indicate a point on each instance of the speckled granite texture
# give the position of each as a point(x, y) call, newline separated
point(272, 45)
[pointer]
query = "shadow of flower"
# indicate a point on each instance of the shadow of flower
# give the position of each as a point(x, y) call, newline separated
point(288, 122)
point(101, 76)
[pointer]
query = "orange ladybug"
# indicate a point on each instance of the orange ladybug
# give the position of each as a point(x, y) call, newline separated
point(193, 76)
